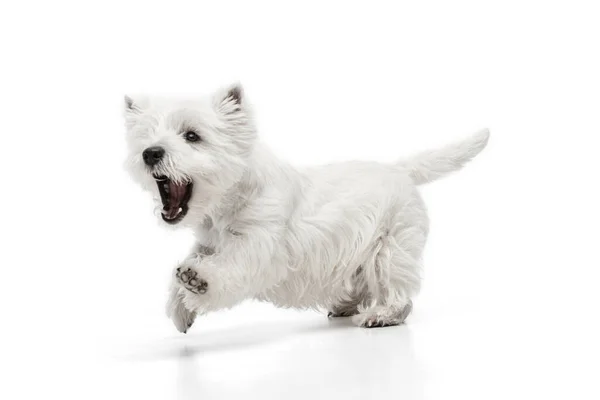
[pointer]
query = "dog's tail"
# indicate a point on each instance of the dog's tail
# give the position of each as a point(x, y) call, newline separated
point(431, 165)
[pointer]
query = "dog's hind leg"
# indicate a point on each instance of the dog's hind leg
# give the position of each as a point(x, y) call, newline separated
point(392, 277)
point(349, 304)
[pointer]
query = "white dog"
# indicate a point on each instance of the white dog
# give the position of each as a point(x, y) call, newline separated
point(345, 237)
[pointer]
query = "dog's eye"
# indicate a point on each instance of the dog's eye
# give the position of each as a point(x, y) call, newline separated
point(191, 136)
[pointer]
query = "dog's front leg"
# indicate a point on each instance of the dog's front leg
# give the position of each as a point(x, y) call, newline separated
point(224, 279)
point(176, 310)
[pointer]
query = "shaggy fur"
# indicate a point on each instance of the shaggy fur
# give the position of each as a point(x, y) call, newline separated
point(345, 237)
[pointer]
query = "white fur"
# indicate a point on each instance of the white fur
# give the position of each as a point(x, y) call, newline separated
point(341, 235)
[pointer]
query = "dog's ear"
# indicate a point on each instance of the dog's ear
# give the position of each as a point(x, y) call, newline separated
point(131, 106)
point(230, 100)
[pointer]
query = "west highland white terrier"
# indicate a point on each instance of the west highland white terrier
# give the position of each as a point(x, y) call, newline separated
point(346, 237)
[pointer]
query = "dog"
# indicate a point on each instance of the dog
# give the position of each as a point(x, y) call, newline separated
point(346, 237)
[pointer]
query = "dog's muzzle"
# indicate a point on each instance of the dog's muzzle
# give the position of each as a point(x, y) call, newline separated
point(153, 155)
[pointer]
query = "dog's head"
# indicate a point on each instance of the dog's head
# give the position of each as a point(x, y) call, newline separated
point(189, 153)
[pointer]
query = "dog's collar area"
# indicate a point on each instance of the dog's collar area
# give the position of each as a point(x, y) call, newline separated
point(175, 197)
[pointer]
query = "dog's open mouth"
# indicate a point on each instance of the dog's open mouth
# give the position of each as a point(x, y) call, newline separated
point(175, 197)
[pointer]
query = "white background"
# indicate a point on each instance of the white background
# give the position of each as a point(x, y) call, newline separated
point(510, 302)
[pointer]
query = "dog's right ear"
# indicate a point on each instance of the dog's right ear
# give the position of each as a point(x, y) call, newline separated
point(132, 111)
point(131, 106)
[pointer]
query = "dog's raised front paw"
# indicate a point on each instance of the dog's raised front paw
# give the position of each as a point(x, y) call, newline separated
point(188, 278)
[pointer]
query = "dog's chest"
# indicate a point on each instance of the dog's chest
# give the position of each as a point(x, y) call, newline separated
point(216, 234)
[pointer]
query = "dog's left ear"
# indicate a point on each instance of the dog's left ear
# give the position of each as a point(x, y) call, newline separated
point(230, 100)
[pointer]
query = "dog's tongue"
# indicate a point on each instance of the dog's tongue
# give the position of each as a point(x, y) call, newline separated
point(176, 195)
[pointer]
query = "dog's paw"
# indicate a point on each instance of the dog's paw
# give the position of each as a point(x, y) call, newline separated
point(176, 311)
point(372, 321)
point(381, 316)
point(343, 310)
point(183, 319)
point(341, 314)
point(189, 279)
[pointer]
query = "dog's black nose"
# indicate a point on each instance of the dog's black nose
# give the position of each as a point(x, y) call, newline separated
point(152, 155)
